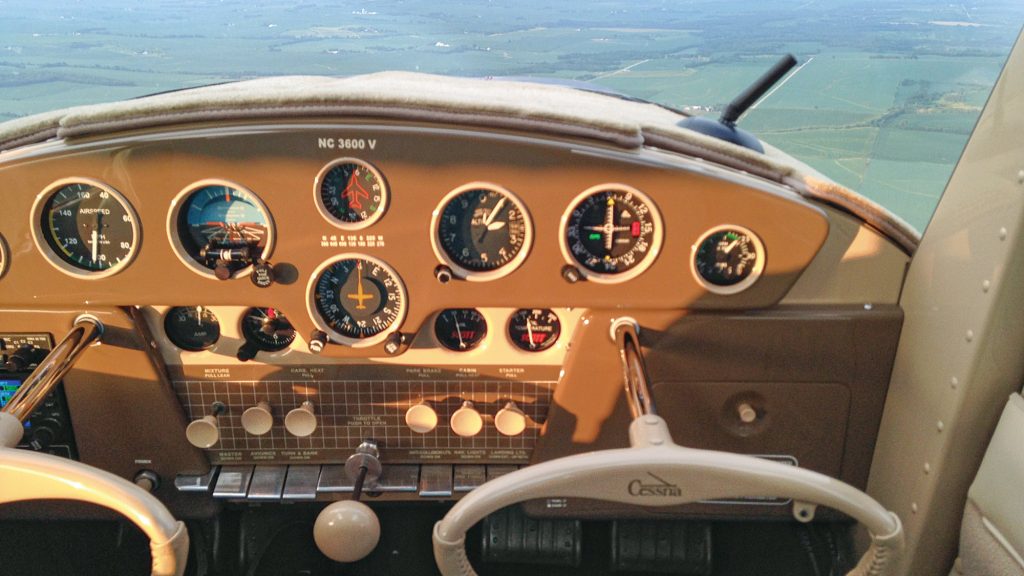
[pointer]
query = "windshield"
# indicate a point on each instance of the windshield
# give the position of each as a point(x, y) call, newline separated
point(883, 100)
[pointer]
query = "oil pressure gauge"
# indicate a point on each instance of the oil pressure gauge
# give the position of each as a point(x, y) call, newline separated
point(727, 259)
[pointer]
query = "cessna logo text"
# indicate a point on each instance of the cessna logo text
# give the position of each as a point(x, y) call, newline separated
point(654, 486)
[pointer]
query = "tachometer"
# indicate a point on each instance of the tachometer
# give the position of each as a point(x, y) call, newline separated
point(727, 259)
point(219, 228)
point(481, 231)
point(351, 193)
point(85, 228)
point(612, 232)
point(357, 300)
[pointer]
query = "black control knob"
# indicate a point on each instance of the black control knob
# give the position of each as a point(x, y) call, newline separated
point(22, 358)
point(247, 352)
point(262, 274)
point(317, 341)
point(44, 433)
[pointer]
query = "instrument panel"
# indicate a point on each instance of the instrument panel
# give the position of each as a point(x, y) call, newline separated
point(421, 222)
point(446, 291)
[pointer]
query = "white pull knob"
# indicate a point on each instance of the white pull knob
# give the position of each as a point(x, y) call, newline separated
point(204, 432)
point(301, 421)
point(258, 420)
point(421, 418)
point(510, 420)
point(747, 413)
point(466, 421)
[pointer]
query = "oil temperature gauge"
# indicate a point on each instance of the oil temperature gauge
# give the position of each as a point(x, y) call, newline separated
point(534, 330)
point(727, 259)
point(460, 329)
point(192, 328)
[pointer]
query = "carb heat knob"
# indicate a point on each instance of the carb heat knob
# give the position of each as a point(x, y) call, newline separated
point(510, 420)
point(258, 419)
point(421, 418)
point(466, 421)
point(301, 421)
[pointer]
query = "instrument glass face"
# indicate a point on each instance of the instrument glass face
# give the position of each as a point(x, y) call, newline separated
point(359, 300)
point(351, 194)
point(728, 259)
point(267, 329)
point(534, 330)
point(483, 232)
point(90, 228)
point(219, 224)
point(192, 328)
point(460, 329)
point(612, 233)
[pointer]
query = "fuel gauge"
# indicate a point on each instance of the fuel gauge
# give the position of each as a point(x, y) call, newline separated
point(460, 329)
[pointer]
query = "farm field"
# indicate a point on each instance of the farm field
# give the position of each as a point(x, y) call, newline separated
point(883, 102)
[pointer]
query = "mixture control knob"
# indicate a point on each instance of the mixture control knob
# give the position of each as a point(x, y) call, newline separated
point(466, 421)
point(510, 420)
point(346, 531)
point(301, 421)
point(421, 418)
point(204, 432)
point(258, 420)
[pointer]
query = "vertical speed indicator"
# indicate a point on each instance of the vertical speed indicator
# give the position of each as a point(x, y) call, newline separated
point(357, 300)
point(611, 232)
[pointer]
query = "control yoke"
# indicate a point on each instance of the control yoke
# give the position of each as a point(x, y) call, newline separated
point(634, 371)
point(34, 390)
point(684, 475)
point(27, 475)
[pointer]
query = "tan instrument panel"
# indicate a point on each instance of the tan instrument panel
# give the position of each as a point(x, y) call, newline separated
point(651, 210)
